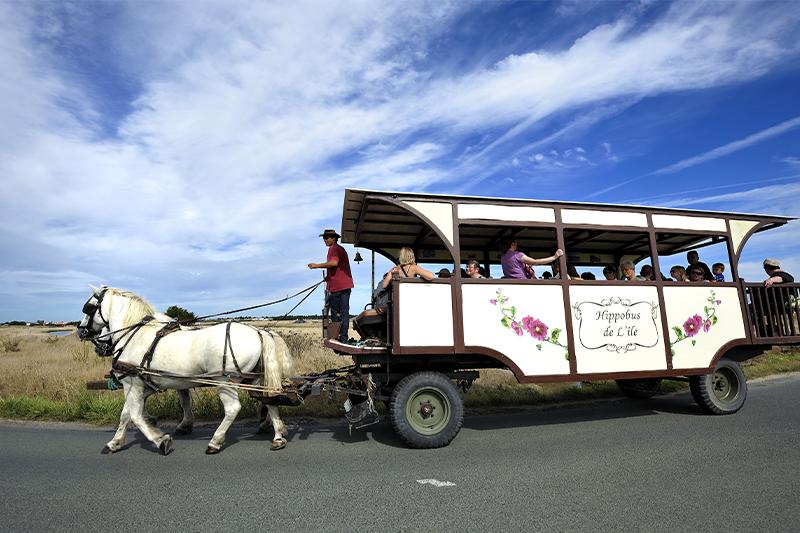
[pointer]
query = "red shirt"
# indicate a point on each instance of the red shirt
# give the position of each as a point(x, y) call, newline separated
point(339, 277)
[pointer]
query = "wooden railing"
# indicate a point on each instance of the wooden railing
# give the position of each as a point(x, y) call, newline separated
point(774, 311)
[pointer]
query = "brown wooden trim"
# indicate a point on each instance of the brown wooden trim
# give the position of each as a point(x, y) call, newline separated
point(428, 222)
point(456, 299)
point(659, 291)
point(566, 205)
point(565, 282)
point(745, 309)
point(723, 350)
point(423, 350)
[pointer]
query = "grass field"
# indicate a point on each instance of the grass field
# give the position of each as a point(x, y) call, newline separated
point(43, 377)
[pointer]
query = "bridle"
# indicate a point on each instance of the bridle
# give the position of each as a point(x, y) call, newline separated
point(104, 343)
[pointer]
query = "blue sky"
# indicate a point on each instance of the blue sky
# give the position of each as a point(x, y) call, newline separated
point(192, 151)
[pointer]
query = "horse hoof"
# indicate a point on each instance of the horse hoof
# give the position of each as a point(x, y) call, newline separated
point(166, 445)
point(278, 444)
point(211, 450)
point(107, 451)
point(183, 431)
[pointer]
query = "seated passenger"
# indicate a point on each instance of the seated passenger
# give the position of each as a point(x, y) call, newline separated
point(515, 262)
point(588, 276)
point(444, 273)
point(718, 269)
point(678, 273)
point(572, 272)
point(610, 273)
point(694, 260)
point(697, 275)
point(474, 270)
point(647, 272)
point(408, 268)
point(773, 269)
point(629, 271)
point(547, 275)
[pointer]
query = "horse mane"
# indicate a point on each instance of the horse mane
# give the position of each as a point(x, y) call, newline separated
point(138, 307)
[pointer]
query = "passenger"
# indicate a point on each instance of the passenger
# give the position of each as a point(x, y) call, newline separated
point(444, 273)
point(696, 274)
point(572, 272)
point(408, 268)
point(588, 276)
point(718, 269)
point(515, 262)
point(647, 273)
point(474, 270)
point(547, 275)
point(629, 271)
point(694, 259)
point(776, 275)
point(678, 273)
point(610, 273)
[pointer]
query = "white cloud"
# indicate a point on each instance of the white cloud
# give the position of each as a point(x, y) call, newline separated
point(731, 147)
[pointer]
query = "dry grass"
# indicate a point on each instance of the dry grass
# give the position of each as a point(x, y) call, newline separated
point(42, 376)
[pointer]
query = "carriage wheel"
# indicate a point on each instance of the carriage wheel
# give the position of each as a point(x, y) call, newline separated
point(723, 392)
point(426, 410)
point(639, 388)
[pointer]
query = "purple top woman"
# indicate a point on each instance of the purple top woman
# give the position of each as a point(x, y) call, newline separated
point(515, 263)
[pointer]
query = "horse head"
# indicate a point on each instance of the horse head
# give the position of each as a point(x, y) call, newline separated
point(94, 318)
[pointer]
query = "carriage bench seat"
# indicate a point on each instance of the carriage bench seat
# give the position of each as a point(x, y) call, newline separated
point(370, 324)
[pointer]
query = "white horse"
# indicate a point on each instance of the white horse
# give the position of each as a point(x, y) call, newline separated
point(184, 352)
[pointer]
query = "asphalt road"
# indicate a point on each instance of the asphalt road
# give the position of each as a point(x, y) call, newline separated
point(657, 465)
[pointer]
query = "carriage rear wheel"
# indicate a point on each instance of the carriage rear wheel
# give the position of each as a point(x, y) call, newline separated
point(426, 410)
point(639, 388)
point(722, 392)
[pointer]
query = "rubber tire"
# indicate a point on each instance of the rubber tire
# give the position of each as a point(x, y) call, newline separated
point(640, 389)
point(414, 384)
point(722, 392)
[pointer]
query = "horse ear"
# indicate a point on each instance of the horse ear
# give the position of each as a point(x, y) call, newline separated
point(95, 290)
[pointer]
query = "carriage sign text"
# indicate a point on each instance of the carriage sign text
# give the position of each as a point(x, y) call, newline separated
point(617, 324)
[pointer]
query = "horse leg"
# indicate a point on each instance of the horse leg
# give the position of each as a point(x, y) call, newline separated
point(278, 442)
point(231, 404)
point(185, 427)
point(117, 442)
point(136, 396)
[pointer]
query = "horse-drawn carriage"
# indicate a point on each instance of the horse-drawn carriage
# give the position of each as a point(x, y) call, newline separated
point(435, 336)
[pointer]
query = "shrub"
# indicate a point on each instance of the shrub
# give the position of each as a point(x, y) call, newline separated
point(8, 344)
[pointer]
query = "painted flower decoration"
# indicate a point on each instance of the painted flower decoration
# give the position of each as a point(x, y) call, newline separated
point(535, 327)
point(692, 325)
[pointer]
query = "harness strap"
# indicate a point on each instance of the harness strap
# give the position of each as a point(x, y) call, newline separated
point(160, 334)
point(228, 346)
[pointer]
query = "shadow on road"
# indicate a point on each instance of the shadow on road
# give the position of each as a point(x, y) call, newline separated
point(299, 430)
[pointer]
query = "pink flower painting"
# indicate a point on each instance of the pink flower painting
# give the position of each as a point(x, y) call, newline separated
point(692, 325)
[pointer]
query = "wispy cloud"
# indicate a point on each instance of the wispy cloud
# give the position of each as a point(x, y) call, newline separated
point(731, 147)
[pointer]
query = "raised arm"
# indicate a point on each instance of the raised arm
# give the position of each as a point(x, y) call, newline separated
point(543, 261)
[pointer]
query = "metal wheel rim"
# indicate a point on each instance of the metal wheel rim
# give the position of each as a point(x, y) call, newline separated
point(428, 410)
point(725, 385)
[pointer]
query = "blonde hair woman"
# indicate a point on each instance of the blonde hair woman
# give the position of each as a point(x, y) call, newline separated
point(408, 268)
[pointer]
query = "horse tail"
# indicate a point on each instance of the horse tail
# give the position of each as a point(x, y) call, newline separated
point(276, 357)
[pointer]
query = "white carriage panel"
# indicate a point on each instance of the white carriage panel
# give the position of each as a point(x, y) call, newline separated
point(739, 229)
point(603, 218)
point(506, 212)
point(701, 319)
point(523, 322)
point(691, 223)
point(439, 213)
point(617, 329)
point(426, 314)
